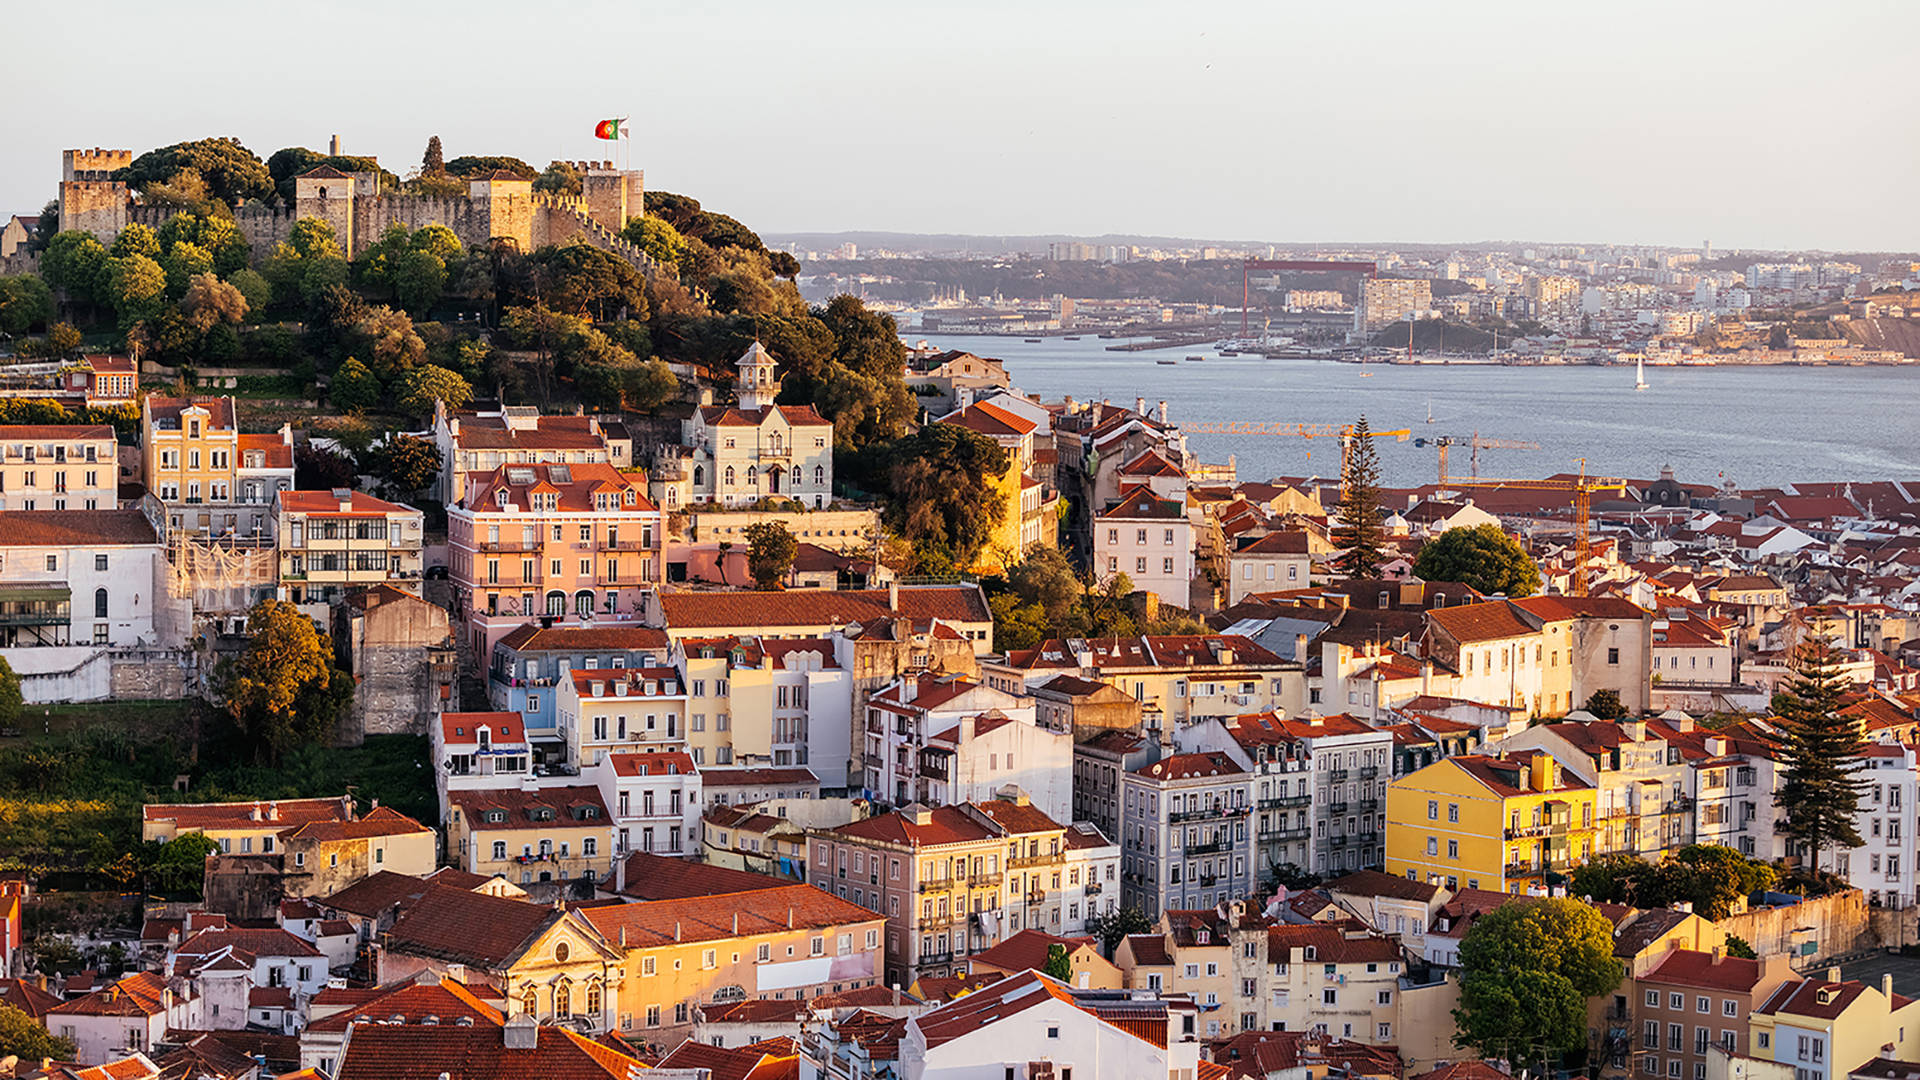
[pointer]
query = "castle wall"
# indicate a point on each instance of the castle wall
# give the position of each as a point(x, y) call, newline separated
point(95, 206)
point(373, 216)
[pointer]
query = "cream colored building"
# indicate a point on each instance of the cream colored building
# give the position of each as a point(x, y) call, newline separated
point(615, 710)
point(531, 834)
point(58, 467)
point(333, 542)
point(755, 449)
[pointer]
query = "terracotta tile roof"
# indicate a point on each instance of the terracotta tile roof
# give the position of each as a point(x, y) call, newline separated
point(722, 1063)
point(533, 638)
point(1149, 950)
point(1464, 1070)
point(404, 1052)
point(270, 997)
point(548, 433)
point(1273, 543)
point(733, 416)
point(1116, 741)
point(1500, 774)
point(447, 1000)
point(945, 825)
point(1189, 766)
point(1561, 608)
point(1027, 950)
point(1267, 728)
point(1016, 818)
point(1490, 621)
point(257, 941)
point(1021, 992)
point(359, 504)
point(205, 1056)
point(1378, 883)
point(575, 486)
point(1142, 503)
point(56, 432)
point(1151, 463)
point(990, 420)
point(75, 528)
point(277, 454)
point(375, 895)
point(1691, 967)
point(757, 776)
point(945, 988)
point(244, 815)
point(520, 806)
point(380, 821)
point(27, 997)
point(659, 763)
point(1812, 997)
point(135, 995)
point(103, 364)
point(1644, 929)
point(697, 610)
point(462, 728)
point(719, 917)
point(486, 932)
point(219, 409)
point(1331, 945)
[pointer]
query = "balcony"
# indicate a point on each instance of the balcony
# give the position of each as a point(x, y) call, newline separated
point(1286, 802)
point(1339, 775)
point(1202, 814)
point(1527, 832)
point(1210, 848)
point(1337, 806)
point(1339, 840)
point(936, 885)
point(1369, 772)
point(492, 546)
point(1021, 862)
point(1303, 832)
point(1522, 870)
point(938, 956)
point(1369, 805)
point(1093, 888)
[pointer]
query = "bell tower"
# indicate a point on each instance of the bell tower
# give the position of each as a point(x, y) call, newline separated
point(759, 380)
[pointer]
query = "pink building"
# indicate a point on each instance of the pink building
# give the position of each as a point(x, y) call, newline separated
point(560, 544)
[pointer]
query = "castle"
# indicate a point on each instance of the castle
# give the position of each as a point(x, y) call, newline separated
point(499, 206)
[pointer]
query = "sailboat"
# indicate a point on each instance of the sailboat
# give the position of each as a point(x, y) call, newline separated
point(1429, 412)
point(1640, 373)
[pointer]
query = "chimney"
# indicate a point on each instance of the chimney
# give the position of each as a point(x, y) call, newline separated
point(273, 811)
point(521, 1032)
point(1140, 405)
point(1886, 986)
point(1719, 954)
point(1300, 648)
point(333, 146)
point(676, 929)
point(1833, 974)
point(1161, 413)
point(1542, 766)
point(623, 937)
point(893, 596)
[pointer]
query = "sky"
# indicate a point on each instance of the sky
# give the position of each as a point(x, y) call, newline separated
point(1751, 125)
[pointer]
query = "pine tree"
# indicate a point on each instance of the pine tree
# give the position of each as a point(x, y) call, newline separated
point(1821, 751)
point(433, 163)
point(1359, 532)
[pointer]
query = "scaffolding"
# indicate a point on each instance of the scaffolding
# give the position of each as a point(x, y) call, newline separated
point(220, 574)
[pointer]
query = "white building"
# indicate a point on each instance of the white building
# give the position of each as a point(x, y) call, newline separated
point(1090, 882)
point(1184, 833)
point(944, 739)
point(1150, 540)
point(479, 750)
point(1883, 867)
point(755, 449)
point(654, 798)
point(1034, 1027)
point(621, 709)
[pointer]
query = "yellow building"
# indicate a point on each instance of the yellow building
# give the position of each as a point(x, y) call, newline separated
point(1826, 1028)
point(333, 541)
point(529, 836)
point(240, 828)
point(1501, 823)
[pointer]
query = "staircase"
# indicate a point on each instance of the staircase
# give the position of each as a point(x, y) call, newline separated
point(607, 240)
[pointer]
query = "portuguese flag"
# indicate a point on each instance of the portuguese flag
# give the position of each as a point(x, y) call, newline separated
point(609, 129)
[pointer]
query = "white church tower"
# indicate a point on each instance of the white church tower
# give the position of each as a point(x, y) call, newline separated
point(759, 380)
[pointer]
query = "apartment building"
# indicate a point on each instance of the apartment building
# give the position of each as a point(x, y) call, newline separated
point(334, 542)
point(781, 702)
point(59, 467)
point(127, 1016)
point(1884, 866)
point(1545, 654)
point(82, 577)
point(1184, 833)
point(1733, 795)
point(239, 827)
point(213, 480)
point(1670, 1017)
point(1150, 540)
point(943, 739)
point(531, 661)
point(1390, 300)
point(1319, 788)
point(1643, 784)
point(654, 800)
point(1184, 679)
point(1268, 562)
point(613, 710)
point(1825, 1028)
point(951, 880)
point(1099, 763)
point(776, 943)
point(530, 833)
point(564, 544)
point(737, 455)
point(476, 444)
point(1034, 1026)
point(1507, 823)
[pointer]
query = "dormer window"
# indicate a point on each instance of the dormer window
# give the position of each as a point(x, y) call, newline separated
point(495, 817)
point(500, 497)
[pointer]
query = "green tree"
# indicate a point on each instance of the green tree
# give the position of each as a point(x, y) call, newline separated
point(561, 178)
point(770, 552)
point(62, 339)
point(182, 263)
point(1116, 924)
point(229, 171)
point(433, 161)
point(1529, 967)
point(210, 302)
point(1059, 964)
point(135, 239)
point(419, 387)
point(22, 1036)
point(218, 236)
point(657, 238)
point(581, 279)
point(76, 264)
point(136, 287)
point(354, 389)
point(1820, 748)
point(387, 338)
point(477, 165)
point(180, 865)
point(1738, 947)
point(253, 288)
point(941, 483)
point(1483, 557)
point(409, 463)
point(1358, 534)
point(283, 691)
point(419, 279)
point(784, 264)
point(1710, 877)
point(1606, 705)
point(11, 701)
point(25, 304)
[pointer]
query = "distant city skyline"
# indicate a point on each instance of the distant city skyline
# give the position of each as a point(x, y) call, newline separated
point(1769, 127)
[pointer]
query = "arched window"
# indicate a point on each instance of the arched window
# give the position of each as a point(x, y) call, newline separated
point(583, 602)
point(699, 475)
point(796, 476)
point(563, 999)
point(99, 603)
point(729, 476)
point(530, 1002)
point(556, 603)
point(773, 442)
point(752, 478)
point(819, 476)
point(593, 999)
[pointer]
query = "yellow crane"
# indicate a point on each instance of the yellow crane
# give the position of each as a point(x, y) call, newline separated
point(1476, 443)
point(1344, 432)
point(1581, 489)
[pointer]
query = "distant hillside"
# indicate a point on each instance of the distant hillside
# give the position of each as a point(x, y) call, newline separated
point(1432, 335)
point(1902, 335)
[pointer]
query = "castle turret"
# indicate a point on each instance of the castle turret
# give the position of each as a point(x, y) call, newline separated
point(612, 195)
point(91, 200)
point(759, 380)
point(505, 201)
point(327, 193)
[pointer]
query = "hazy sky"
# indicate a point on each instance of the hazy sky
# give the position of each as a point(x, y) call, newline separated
point(1757, 124)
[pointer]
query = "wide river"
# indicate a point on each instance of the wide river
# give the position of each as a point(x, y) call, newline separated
point(1754, 426)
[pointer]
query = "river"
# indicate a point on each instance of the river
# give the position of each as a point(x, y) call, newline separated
point(1753, 426)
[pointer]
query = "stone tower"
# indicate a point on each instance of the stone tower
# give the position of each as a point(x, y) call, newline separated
point(612, 195)
point(504, 202)
point(759, 380)
point(327, 193)
point(91, 200)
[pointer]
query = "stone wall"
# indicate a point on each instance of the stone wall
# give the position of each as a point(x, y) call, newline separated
point(153, 674)
point(400, 651)
point(1833, 925)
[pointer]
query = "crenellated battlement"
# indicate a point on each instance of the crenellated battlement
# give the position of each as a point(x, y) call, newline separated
point(94, 164)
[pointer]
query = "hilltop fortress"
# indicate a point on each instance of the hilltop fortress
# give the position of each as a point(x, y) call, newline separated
point(499, 206)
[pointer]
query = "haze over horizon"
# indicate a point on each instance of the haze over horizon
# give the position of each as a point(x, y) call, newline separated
point(1771, 126)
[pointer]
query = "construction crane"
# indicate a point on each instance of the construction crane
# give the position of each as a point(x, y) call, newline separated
point(1581, 489)
point(1320, 266)
point(1476, 442)
point(1344, 432)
